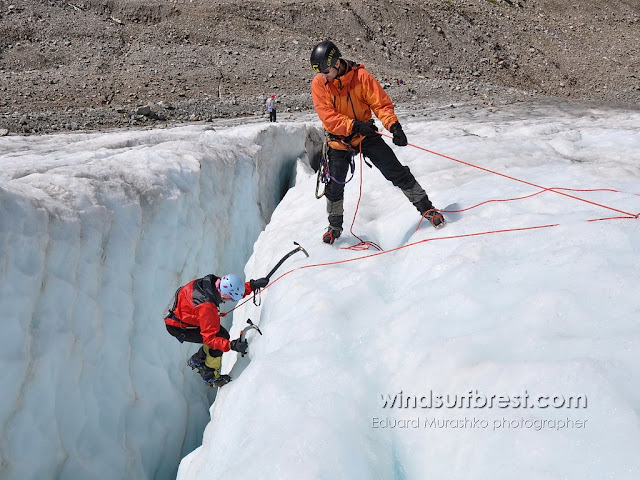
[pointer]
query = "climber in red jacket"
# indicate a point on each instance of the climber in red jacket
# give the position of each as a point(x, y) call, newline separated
point(194, 317)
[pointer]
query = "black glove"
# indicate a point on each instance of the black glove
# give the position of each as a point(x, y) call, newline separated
point(240, 346)
point(399, 138)
point(367, 129)
point(258, 284)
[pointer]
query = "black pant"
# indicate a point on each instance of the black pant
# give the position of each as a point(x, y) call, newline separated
point(380, 154)
point(193, 335)
point(272, 116)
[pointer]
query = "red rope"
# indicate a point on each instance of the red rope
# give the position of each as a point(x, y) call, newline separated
point(533, 195)
point(517, 179)
point(425, 240)
point(363, 244)
point(413, 244)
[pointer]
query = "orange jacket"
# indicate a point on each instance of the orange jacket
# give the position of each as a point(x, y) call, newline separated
point(350, 97)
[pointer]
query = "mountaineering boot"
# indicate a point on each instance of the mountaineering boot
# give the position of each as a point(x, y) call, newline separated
point(331, 234)
point(222, 380)
point(334, 230)
point(428, 211)
point(210, 372)
point(213, 378)
point(435, 218)
point(197, 360)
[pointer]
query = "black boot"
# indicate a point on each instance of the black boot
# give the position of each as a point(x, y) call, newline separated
point(428, 211)
point(197, 360)
point(435, 218)
point(213, 378)
point(331, 234)
point(334, 230)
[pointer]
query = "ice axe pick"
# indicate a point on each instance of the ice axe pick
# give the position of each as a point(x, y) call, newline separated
point(298, 248)
point(251, 326)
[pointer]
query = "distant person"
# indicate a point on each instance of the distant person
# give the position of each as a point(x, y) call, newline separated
point(271, 108)
point(344, 95)
point(194, 317)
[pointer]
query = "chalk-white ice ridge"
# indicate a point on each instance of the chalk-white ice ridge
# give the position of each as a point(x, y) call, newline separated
point(96, 233)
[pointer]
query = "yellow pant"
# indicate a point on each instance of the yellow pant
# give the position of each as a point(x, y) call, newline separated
point(212, 362)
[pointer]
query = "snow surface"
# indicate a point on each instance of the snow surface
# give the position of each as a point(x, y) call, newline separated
point(98, 230)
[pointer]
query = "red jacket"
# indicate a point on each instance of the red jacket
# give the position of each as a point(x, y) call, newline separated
point(350, 97)
point(197, 305)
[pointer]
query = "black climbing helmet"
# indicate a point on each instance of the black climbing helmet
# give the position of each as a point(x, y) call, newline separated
point(324, 55)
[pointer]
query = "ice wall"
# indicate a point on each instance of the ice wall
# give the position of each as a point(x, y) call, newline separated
point(96, 233)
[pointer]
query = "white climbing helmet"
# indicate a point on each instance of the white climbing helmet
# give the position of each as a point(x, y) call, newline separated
point(232, 286)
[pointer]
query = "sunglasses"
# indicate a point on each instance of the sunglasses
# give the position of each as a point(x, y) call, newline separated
point(325, 71)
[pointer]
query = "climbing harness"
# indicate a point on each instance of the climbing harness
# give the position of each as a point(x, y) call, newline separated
point(324, 173)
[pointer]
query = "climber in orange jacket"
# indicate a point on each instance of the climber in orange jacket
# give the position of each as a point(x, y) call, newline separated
point(344, 96)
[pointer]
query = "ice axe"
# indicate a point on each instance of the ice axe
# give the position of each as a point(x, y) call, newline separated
point(298, 248)
point(243, 334)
